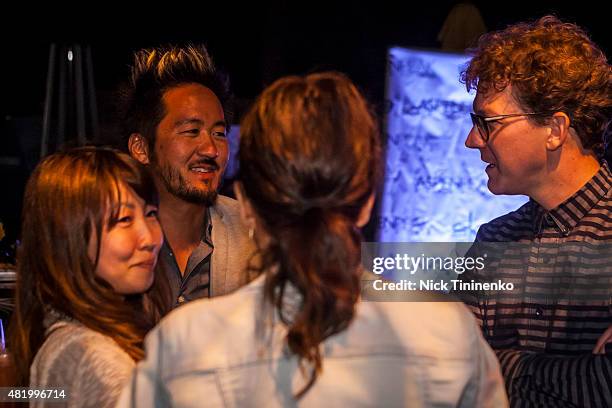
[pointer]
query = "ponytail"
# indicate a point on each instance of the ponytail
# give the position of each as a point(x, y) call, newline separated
point(319, 257)
point(309, 161)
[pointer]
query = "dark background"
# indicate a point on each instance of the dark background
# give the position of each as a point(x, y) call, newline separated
point(253, 43)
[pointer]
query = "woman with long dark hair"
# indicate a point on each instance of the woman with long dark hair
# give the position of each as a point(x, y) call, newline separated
point(90, 238)
point(310, 164)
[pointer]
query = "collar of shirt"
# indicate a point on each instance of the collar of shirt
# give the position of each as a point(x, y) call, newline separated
point(200, 253)
point(207, 230)
point(205, 236)
point(567, 214)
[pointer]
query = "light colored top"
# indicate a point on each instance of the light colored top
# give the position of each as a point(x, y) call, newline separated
point(233, 247)
point(211, 353)
point(89, 366)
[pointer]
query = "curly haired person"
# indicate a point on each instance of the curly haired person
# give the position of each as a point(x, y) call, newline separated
point(542, 106)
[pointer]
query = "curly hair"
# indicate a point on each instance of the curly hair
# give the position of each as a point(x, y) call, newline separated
point(309, 161)
point(552, 66)
point(154, 71)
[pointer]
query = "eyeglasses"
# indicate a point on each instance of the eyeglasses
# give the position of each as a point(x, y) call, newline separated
point(482, 122)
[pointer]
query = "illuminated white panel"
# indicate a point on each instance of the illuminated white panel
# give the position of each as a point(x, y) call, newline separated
point(233, 141)
point(435, 188)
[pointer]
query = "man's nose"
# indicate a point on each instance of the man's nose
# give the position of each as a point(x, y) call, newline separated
point(207, 146)
point(474, 140)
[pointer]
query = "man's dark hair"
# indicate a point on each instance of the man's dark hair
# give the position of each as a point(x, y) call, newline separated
point(154, 71)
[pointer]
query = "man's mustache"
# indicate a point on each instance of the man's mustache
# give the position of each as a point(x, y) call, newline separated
point(211, 163)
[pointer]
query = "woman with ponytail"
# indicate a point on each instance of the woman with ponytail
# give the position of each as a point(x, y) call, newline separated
point(90, 238)
point(310, 164)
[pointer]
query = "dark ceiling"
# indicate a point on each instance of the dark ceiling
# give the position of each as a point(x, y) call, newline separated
point(254, 43)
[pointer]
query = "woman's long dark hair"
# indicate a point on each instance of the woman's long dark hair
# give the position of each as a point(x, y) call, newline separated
point(309, 161)
point(64, 208)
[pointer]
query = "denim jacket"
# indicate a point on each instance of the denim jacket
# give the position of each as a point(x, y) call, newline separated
point(223, 353)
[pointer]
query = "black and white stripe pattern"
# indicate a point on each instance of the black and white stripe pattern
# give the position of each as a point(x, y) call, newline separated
point(545, 330)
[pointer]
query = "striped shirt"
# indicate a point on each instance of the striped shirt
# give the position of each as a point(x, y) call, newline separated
point(544, 330)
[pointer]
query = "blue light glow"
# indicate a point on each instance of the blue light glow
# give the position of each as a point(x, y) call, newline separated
point(435, 188)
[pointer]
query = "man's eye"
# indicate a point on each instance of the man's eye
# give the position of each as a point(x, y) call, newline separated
point(219, 134)
point(152, 213)
point(492, 124)
point(193, 132)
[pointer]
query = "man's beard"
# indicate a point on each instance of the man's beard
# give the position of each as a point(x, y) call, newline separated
point(176, 184)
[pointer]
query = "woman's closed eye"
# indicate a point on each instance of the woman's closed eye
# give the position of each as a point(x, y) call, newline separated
point(126, 219)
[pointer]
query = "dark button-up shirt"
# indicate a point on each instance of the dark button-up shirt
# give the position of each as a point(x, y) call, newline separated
point(546, 328)
point(195, 282)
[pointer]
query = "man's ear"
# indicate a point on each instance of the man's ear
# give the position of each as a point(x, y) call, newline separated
point(559, 130)
point(139, 148)
point(366, 211)
point(246, 210)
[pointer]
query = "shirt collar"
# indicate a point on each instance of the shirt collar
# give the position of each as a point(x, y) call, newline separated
point(569, 213)
point(205, 236)
point(207, 230)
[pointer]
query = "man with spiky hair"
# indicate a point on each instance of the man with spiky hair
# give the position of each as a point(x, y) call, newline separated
point(176, 121)
point(542, 105)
